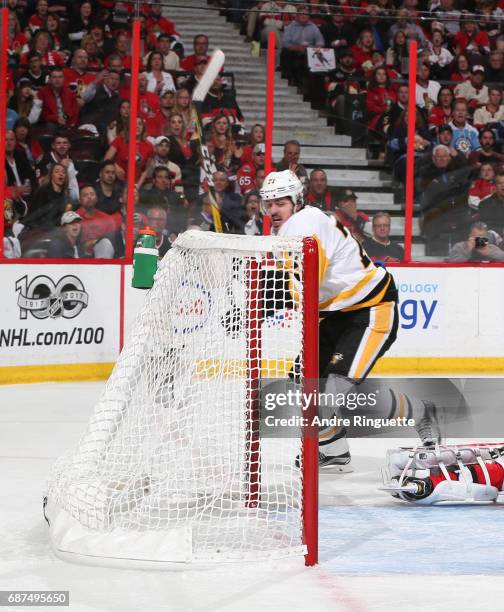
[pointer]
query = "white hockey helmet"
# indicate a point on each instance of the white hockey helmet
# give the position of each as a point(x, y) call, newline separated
point(283, 184)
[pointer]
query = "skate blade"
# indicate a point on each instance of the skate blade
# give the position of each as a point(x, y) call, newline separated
point(336, 469)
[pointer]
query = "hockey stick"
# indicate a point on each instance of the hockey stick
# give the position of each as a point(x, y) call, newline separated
point(199, 95)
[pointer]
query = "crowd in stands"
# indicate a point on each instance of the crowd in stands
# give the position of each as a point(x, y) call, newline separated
point(68, 142)
point(459, 97)
point(68, 131)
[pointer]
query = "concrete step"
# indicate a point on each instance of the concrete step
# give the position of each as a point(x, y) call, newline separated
point(327, 153)
point(372, 207)
point(286, 123)
point(376, 198)
point(355, 182)
point(310, 137)
point(258, 92)
point(397, 226)
point(344, 173)
point(324, 162)
point(293, 113)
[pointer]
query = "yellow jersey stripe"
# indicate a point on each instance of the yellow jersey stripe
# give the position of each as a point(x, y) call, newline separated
point(378, 334)
point(372, 302)
point(345, 295)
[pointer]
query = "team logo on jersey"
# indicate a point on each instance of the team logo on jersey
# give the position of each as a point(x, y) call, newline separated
point(336, 357)
point(463, 144)
point(191, 309)
point(43, 298)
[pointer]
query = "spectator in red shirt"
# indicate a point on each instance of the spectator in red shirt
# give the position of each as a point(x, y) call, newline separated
point(39, 19)
point(257, 136)
point(148, 102)
point(200, 46)
point(42, 43)
point(17, 43)
point(157, 125)
point(118, 151)
point(483, 186)
point(348, 215)
point(59, 103)
point(380, 97)
point(24, 142)
point(318, 193)
point(95, 223)
point(441, 114)
point(245, 177)
point(470, 39)
point(77, 76)
point(89, 45)
point(61, 44)
point(363, 50)
point(156, 23)
point(122, 49)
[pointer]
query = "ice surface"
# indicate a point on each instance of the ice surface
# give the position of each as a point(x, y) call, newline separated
point(376, 554)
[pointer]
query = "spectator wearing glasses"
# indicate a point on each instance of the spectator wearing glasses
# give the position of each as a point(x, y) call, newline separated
point(379, 246)
point(157, 218)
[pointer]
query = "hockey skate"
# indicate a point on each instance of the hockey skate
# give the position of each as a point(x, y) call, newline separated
point(428, 426)
point(336, 457)
point(330, 464)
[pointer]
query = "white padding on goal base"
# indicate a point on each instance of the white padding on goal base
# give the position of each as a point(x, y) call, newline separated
point(198, 240)
point(120, 546)
point(165, 549)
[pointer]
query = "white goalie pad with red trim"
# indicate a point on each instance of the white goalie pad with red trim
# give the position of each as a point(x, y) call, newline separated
point(450, 474)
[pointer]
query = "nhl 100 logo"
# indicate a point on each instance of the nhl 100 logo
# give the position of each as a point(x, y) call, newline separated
point(45, 299)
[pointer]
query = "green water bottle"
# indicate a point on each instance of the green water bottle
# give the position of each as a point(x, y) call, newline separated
point(145, 259)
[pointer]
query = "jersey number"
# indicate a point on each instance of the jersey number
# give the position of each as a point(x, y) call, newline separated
point(363, 257)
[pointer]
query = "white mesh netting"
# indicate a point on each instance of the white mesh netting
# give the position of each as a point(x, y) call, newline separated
point(171, 467)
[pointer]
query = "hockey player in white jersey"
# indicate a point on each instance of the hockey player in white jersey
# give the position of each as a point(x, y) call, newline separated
point(357, 305)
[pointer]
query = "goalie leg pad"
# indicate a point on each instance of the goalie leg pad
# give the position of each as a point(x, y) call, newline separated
point(444, 474)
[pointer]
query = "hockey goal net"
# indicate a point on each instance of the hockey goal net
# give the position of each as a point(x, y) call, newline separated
point(173, 466)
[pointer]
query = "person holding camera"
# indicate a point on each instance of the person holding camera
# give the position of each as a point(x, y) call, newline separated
point(479, 246)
